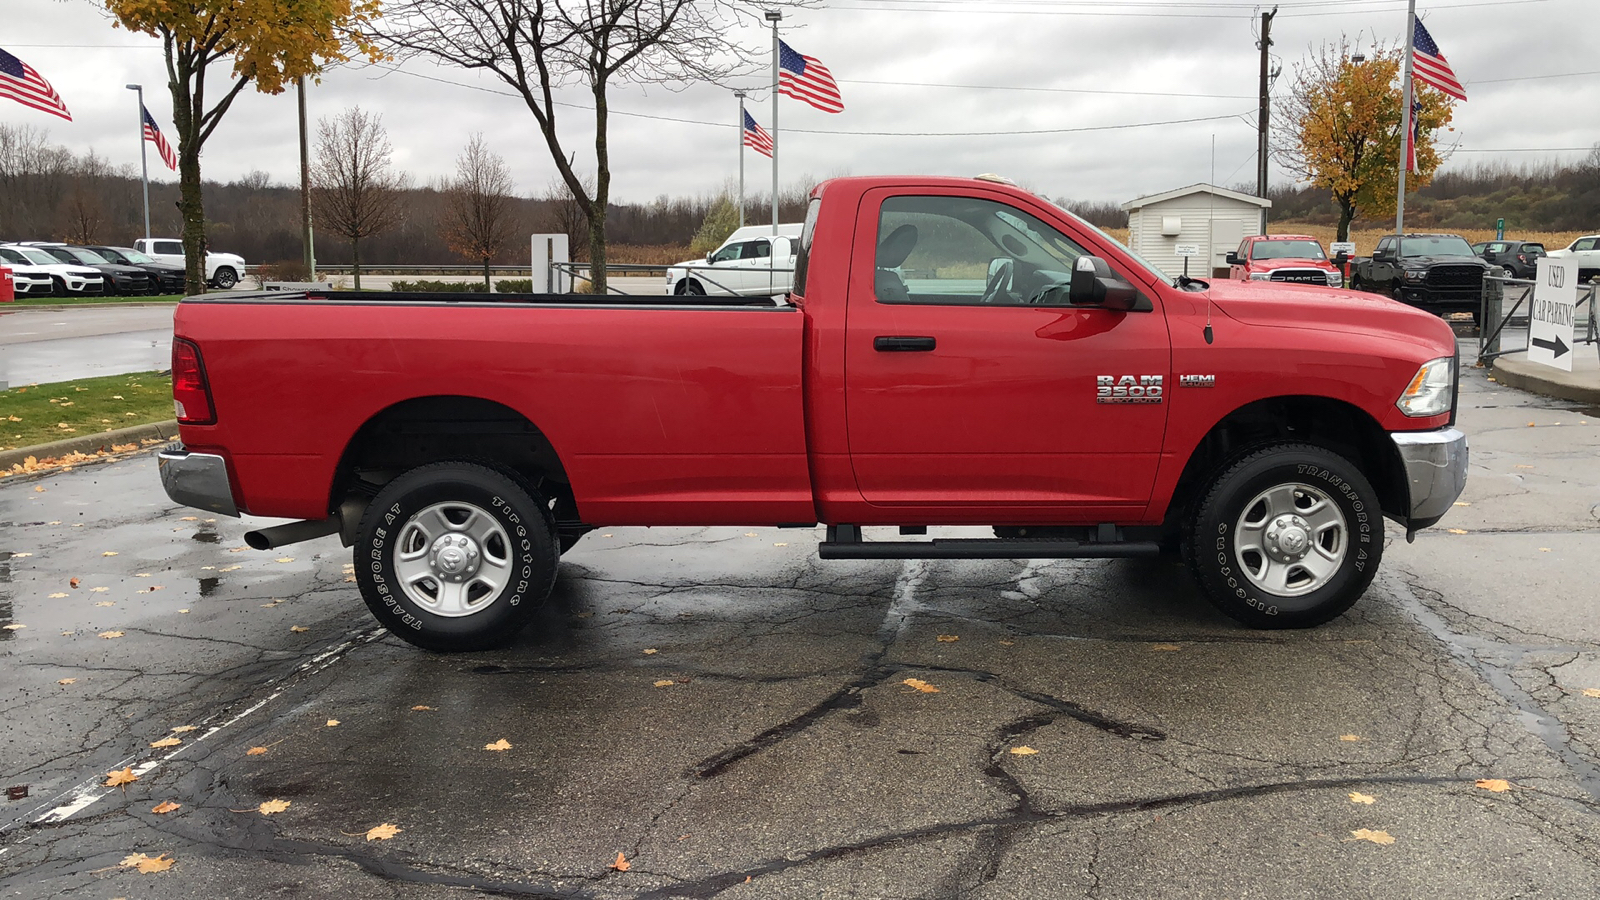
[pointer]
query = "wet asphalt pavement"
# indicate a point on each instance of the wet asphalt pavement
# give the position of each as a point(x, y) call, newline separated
point(733, 715)
point(44, 346)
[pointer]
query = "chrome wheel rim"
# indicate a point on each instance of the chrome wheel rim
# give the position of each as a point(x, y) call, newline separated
point(452, 559)
point(1291, 539)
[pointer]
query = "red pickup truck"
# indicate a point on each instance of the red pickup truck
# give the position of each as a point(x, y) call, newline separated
point(1292, 258)
point(954, 352)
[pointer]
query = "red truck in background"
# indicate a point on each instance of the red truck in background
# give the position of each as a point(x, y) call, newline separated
point(1292, 258)
point(954, 352)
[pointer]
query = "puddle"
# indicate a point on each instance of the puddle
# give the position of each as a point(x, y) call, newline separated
point(208, 586)
point(206, 537)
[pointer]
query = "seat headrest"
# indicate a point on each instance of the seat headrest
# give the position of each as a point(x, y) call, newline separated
point(893, 250)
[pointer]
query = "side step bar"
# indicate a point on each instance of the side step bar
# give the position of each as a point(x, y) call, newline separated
point(844, 542)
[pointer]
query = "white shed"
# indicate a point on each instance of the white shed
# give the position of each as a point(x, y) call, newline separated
point(1212, 218)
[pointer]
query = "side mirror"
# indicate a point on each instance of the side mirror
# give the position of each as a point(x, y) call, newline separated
point(1233, 259)
point(709, 254)
point(1094, 284)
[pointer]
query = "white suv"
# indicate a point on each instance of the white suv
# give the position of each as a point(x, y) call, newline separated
point(66, 279)
point(222, 269)
point(1584, 251)
point(27, 279)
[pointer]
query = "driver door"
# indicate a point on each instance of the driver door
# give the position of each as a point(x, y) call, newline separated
point(961, 393)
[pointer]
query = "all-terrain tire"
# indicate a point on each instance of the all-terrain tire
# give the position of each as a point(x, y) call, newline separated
point(1287, 536)
point(456, 556)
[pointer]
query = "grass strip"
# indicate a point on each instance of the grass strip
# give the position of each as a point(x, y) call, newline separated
point(41, 413)
point(85, 300)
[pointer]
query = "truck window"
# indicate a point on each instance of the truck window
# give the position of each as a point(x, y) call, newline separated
point(169, 247)
point(957, 250)
point(729, 253)
point(1297, 249)
point(761, 249)
point(1585, 244)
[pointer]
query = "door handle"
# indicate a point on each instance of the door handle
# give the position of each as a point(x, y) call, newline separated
point(884, 343)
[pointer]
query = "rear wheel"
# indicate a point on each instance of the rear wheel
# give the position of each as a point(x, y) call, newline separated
point(455, 556)
point(1288, 536)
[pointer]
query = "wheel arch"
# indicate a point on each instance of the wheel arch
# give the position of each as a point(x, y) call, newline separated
point(1334, 425)
point(442, 427)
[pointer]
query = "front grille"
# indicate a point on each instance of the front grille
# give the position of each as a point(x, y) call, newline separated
point(1455, 277)
point(1301, 276)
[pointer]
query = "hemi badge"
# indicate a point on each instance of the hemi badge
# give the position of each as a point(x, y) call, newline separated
point(1198, 381)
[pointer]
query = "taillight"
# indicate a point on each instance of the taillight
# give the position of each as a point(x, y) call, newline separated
point(191, 396)
point(1521, 258)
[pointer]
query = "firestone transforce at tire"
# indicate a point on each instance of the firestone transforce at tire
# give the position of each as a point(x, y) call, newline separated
point(455, 556)
point(1288, 536)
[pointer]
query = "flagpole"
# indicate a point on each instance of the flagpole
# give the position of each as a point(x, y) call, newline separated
point(1405, 119)
point(143, 163)
point(774, 16)
point(740, 95)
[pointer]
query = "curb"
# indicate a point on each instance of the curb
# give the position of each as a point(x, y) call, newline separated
point(1580, 387)
point(90, 443)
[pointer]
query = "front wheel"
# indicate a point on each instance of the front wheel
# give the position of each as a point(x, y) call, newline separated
point(226, 278)
point(1288, 536)
point(689, 287)
point(455, 556)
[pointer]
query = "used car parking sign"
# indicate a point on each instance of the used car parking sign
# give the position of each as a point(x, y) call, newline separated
point(1555, 300)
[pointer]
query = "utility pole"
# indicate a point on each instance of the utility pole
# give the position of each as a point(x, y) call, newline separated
point(1406, 89)
point(305, 186)
point(1264, 113)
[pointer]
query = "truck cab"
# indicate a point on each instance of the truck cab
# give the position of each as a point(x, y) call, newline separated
point(1286, 258)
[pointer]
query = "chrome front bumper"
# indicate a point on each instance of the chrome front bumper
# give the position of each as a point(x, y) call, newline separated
point(1436, 472)
point(196, 479)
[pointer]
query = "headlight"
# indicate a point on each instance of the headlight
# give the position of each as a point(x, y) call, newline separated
point(1260, 276)
point(1416, 274)
point(1429, 392)
point(1335, 279)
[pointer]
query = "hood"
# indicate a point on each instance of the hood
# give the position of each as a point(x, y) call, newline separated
point(1276, 305)
point(1446, 259)
point(228, 257)
point(1292, 263)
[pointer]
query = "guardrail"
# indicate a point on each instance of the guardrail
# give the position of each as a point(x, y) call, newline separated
point(1494, 317)
point(576, 272)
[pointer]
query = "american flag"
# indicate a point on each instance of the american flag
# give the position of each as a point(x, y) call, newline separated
point(153, 135)
point(803, 78)
point(21, 83)
point(1412, 165)
point(1430, 66)
point(756, 137)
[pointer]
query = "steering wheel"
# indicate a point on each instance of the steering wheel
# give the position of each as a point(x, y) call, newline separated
point(999, 284)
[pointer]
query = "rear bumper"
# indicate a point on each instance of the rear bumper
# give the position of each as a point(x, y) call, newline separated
point(197, 479)
point(1436, 472)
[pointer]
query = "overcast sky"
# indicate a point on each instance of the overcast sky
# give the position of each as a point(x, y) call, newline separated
point(1027, 65)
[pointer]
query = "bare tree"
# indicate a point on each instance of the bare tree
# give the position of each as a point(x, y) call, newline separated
point(355, 190)
point(33, 176)
point(85, 211)
point(537, 46)
point(564, 215)
point(479, 211)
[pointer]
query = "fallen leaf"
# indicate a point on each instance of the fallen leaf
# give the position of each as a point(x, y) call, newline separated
point(1497, 785)
point(1349, 737)
point(109, 553)
point(121, 777)
point(1592, 692)
point(255, 751)
point(1456, 530)
point(665, 682)
point(285, 559)
point(1358, 797)
point(1530, 424)
point(349, 578)
point(181, 729)
point(1521, 466)
point(920, 685)
point(333, 723)
point(141, 574)
point(650, 651)
point(751, 534)
point(269, 807)
point(1376, 837)
point(38, 489)
point(98, 590)
point(383, 832)
point(499, 745)
point(167, 742)
point(237, 549)
point(109, 635)
point(229, 568)
point(73, 582)
point(621, 865)
point(1023, 751)
point(780, 543)
point(1008, 643)
point(1462, 503)
point(13, 627)
point(420, 708)
point(185, 518)
point(106, 603)
point(149, 865)
point(21, 555)
point(1166, 648)
point(67, 681)
point(58, 595)
point(183, 610)
point(165, 807)
point(297, 629)
point(948, 638)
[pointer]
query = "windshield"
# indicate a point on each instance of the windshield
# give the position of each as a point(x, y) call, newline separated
point(1435, 245)
point(1286, 250)
point(135, 257)
point(89, 256)
point(12, 256)
point(38, 257)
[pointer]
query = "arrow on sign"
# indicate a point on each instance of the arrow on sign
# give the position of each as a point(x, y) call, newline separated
point(1557, 347)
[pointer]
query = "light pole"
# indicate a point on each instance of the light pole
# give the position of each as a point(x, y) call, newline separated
point(741, 96)
point(774, 16)
point(144, 165)
point(305, 187)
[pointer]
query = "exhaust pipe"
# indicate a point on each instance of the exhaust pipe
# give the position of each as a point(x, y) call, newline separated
point(291, 533)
